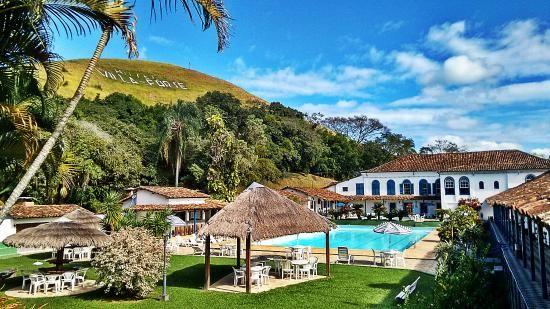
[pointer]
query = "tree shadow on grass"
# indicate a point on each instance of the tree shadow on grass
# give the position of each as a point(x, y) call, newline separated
point(193, 276)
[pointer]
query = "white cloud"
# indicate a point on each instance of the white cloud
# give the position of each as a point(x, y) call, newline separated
point(417, 65)
point(160, 40)
point(392, 25)
point(473, 144)
point(349, 81)
point(541, 152)
point(463, 70)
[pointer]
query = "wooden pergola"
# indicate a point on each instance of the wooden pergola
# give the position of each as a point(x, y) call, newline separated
point(257, 214)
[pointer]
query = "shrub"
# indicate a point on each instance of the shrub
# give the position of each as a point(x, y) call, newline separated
point(131, 264)
point(471, 202)
point(401, 213)
point(392, 214)
point(358, 210)
point(379, 210)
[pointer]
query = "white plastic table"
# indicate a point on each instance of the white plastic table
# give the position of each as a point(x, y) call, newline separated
point(297, 264)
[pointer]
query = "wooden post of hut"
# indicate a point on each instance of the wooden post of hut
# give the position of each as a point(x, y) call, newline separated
point(207, 263)
point(327, 252)
point(248, 279)
point(238, 252)
point(523, 244)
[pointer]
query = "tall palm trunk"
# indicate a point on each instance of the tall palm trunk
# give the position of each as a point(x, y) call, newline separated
point(50, 143)
point(178, 167)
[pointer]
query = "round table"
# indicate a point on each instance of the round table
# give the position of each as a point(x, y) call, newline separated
point(297, 264)
point(392, 255)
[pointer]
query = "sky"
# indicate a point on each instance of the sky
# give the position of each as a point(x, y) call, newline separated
point(474, 72)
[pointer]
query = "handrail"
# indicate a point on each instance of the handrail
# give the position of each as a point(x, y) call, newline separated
point(502, 246)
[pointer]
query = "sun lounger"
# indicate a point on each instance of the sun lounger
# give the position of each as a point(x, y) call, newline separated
point(403, 295)
point(344, 256)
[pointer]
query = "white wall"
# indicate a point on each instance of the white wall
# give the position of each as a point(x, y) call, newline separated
point(180, 201)
point(506, 179)
point(145, 197)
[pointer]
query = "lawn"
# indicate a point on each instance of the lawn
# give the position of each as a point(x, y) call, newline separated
point(376, 222)
point(349, 286)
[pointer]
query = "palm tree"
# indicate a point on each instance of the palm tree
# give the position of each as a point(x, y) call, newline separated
point(111, 207)
point(111, 16)
point(177, 135)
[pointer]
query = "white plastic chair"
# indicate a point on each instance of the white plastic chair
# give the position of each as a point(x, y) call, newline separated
point(286, 268)
point(237, 274)
point(68, 278)
point(257, 277)
point(305, 270)
point(313, 261)
point(265, 274)
point(80, 275)
point(52, 280)
point(36, 281)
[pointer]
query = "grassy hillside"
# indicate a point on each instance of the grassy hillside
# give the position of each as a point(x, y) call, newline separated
point(150, 82)
point(301, 180)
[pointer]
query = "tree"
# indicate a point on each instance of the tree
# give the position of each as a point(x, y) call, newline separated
point(111, 208)
point(396, 145)
point(178, 133)
point(380, 210)
point(359, 128)
point(442, 146)
point(358, 209)
point(110, 16)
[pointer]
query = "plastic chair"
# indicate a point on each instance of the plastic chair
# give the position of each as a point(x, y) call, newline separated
point(52, 280)
point(80, 275)
point(313, 261)
point(36, 281)
point(305, 270)
point(265, 274)
point(68, 278)
point(286, 268)
point(237, 274)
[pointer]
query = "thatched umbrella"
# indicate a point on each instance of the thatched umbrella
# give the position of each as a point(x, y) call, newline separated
point(85, 217)
point(57, 235)
point(261, 213)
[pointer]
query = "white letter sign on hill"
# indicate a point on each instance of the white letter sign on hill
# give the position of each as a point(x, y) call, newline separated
point(140, 79)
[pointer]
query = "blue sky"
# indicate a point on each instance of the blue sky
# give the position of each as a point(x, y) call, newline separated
point(474, 73)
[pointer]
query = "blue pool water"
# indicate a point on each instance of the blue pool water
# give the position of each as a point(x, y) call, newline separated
point(353, 237)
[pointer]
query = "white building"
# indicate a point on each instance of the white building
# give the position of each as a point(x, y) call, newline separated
point(193, 207)
point(426, 182)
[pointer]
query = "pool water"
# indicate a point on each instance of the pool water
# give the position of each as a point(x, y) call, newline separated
point(353, 237)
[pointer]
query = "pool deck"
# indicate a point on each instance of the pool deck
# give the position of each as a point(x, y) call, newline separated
point(421, 256)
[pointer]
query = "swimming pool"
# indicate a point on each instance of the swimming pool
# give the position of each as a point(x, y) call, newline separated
point(353, 237)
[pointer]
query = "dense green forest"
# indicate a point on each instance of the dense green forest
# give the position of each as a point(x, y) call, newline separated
point(214, 144)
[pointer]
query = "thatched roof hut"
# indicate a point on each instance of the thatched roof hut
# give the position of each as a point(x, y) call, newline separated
point(261, 213)
point(84, 217)
point(57, 235)
point(265, 214)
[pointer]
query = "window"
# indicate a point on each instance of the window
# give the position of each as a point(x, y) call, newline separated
point(376, 187)
point(359, 189)
point(437, 187)
point(496, 185)
point(529, 177)
point(424, 187)
point(390, 187)
point(464, 185)
point(406, 187)
point(481, 185)
point(449, 186)
point(344, 189)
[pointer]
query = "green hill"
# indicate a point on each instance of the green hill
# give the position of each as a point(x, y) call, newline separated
point(150, 82)
point(301, 180)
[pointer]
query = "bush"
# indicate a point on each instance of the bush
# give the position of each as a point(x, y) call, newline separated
point(401, 213)
point(358, 210)
point(131, 264)
point(379, 210)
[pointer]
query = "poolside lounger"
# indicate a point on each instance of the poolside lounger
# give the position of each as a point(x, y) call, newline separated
point(344, 256)
point(197, 250)
point(403, 295)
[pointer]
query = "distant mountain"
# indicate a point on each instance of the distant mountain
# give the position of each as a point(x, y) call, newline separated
point(150, 82)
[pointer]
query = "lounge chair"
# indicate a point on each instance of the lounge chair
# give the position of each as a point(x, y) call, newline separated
point(197, 250)
point(344, 256)
point(403, 295)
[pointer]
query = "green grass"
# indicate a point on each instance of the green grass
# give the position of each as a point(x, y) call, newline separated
point(376, 222)
point(349, 286)
point(196, 82)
